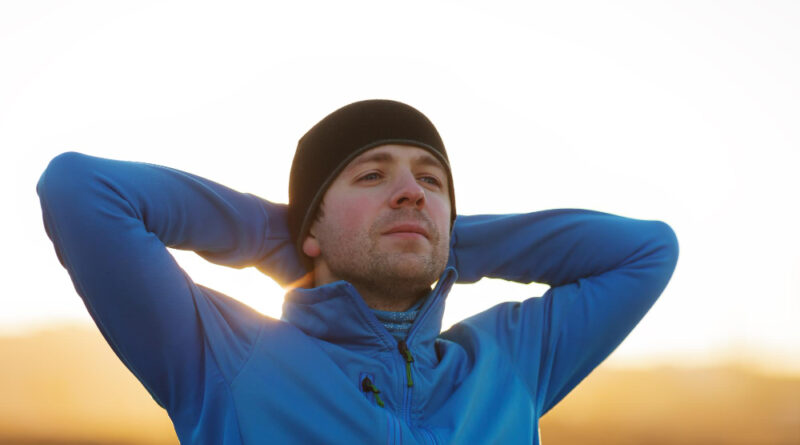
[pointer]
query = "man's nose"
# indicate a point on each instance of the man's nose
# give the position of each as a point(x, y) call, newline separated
point(408, 193)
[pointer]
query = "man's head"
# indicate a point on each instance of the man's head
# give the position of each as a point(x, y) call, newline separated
point(364, 180)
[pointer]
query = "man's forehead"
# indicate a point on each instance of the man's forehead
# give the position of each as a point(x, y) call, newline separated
point(392, 153)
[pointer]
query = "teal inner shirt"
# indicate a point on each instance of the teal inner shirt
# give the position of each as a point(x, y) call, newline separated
point(398, 323)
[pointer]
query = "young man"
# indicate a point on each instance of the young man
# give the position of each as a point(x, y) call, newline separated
point(358, 356)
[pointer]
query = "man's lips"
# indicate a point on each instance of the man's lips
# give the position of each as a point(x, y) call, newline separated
point(410, 229)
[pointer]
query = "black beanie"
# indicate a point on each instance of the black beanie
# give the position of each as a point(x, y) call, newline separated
point(327, 148)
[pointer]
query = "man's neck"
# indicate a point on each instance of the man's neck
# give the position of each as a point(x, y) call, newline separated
point(386, 296)
point(384, 300)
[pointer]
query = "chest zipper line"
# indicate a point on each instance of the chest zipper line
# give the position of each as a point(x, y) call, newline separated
point(405, 353)
point(403, 348)
point(407, 359)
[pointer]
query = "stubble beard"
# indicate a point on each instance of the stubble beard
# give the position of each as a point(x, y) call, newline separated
point(392, 275)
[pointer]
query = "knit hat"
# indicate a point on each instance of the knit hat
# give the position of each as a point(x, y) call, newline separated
point(326, 149)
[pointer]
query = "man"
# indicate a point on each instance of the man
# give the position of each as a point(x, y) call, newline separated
point(358, 356)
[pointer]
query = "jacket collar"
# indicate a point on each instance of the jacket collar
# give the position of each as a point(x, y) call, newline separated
point(336, 313)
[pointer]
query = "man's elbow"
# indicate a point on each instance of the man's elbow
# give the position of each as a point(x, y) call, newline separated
point(664, 251)
point(60, 176)
point(669, 243)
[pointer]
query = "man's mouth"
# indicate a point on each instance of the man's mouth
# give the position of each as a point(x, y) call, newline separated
point(407, 230)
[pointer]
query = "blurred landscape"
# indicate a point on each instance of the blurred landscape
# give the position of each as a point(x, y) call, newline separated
point(65, 386)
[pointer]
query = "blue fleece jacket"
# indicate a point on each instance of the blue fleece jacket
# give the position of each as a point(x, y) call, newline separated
point(328, 371)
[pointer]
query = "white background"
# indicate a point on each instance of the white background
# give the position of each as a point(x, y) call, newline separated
point(686, 112)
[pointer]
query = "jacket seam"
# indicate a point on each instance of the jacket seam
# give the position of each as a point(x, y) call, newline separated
point(237, 374)
point(371, 323)
point(249, 355)
point(514, 364)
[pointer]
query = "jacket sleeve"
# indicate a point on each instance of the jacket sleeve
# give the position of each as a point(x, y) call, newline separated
point(111, 223)
point(605, 272)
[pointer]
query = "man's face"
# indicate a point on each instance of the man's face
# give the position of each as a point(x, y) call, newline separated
point(385, 220)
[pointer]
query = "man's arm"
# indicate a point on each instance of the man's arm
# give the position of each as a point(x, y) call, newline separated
point(605, 272)
point(110, 223)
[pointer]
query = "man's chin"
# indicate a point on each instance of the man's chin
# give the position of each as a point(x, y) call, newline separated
point(412, 266)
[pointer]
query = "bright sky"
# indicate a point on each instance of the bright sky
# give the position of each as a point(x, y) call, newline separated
point(685, 112)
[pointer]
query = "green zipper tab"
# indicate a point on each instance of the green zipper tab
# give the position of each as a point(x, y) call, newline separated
point(403, 347)
point(367, 386)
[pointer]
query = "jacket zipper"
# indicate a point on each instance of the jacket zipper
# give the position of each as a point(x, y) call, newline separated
point(406, 353)
point(406, 358)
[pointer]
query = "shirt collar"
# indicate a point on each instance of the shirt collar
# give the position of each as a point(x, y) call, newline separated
point(337, 313)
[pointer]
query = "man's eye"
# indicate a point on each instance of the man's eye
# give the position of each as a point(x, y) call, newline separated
point(430, 179)
point(370, 177)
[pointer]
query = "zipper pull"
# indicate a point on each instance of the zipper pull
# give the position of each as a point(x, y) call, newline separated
point(367, 386)
point(403, 348)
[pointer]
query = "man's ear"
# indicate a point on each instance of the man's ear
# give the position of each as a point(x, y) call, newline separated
point(311, 246)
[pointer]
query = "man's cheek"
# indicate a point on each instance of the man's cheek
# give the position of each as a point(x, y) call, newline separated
point(440, 210)
point(354, 212)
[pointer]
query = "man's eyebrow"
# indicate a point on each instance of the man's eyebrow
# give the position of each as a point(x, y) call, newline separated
point(429, 160)
point(382, 156)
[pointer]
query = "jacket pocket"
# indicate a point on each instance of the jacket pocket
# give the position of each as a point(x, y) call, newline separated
point(366, 383)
